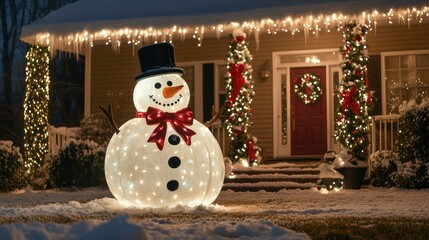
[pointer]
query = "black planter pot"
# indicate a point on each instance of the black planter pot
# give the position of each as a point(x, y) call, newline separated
point(353, 177)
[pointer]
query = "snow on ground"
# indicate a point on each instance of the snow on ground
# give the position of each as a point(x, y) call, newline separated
point(96, 202)
point(123, 228)
point(93, 213)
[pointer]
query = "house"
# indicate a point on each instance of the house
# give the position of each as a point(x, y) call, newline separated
point(287, 38)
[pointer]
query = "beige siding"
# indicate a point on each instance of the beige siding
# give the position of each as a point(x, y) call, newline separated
point(398, 38)
point(112, 80)
point(115, 72)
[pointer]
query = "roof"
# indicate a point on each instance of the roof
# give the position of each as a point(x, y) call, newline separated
point(90, 20)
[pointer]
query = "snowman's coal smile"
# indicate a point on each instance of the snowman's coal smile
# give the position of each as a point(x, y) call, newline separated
point(166, 104)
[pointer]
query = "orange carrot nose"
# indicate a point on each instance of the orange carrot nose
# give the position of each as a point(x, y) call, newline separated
point(168, 92)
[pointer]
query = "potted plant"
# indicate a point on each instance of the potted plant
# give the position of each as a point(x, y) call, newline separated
point(353, 169)
point(355, 107)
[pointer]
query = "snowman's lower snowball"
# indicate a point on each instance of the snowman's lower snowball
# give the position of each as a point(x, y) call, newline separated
point(139, 174)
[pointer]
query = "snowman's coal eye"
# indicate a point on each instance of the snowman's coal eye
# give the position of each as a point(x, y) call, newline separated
point(157, 85)
point(169, 83)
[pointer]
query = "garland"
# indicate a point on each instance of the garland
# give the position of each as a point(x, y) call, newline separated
point(238, 106)
point(355, 104)
point(308, 88)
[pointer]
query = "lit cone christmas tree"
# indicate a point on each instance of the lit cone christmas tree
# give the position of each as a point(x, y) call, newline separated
point(355, 108)
point(36, 107)
point(240, 92)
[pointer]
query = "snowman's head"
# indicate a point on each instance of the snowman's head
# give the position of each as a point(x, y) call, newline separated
point(167, 92)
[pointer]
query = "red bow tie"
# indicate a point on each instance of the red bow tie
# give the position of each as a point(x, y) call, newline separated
point(178, 120)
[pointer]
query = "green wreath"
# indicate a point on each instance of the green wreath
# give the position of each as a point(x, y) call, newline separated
point(308, 88)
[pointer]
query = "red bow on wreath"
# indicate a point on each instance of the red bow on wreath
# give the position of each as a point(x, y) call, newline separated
point(237, 78)
point(178, 120)
point(307, 78)
point(349, 101)
point(307, 90)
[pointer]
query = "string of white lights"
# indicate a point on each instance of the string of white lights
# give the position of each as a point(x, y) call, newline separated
point(309, 25)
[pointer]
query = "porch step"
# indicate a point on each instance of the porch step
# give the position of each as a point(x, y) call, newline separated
point(291, 171)
point(273, 177)
point(286, 178)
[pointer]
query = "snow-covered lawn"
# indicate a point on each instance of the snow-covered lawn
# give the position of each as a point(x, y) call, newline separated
point(93, 213)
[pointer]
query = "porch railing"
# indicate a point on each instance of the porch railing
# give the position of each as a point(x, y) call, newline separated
point(58, 137)
point(384, 131)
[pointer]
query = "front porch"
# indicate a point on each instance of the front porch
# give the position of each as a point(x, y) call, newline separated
point(383, 132)
point(273, 173)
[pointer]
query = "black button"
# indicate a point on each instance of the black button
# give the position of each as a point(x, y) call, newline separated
point(172, 185)
point(173, 139)
point(174, 162)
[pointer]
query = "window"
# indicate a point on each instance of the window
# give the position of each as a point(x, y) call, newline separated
point(206, 85)
point(189, 77)
point(406, 77)
point(283, 79)
point(221, 85)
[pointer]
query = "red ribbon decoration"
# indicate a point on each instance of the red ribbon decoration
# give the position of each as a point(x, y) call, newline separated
point(307, 78)
point(358, 37)
point(349, 100)
point(368, 92)
point(346, 51)
point(237, 80)
point(307, 91)
point(250, 150)
point(240, 39)
point(178, 120)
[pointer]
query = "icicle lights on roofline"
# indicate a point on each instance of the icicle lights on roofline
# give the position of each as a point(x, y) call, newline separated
point(308, 25)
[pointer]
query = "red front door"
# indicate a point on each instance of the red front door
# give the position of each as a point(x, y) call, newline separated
point(308, 121)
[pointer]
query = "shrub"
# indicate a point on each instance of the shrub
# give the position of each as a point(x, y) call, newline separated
point(79, 164)
point(383, 164)
point(39, 179)
point(407, 166)
point(96, 128)
point(12, 170)
point(412, 143)
point(412, 175)
point(412, 146)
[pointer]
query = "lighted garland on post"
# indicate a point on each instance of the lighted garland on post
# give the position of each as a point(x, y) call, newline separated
point(355, 108)
point(239, 86)
point(36, 107)
point(308, 88)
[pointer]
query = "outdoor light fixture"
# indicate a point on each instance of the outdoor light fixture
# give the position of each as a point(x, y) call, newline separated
point(264, 71)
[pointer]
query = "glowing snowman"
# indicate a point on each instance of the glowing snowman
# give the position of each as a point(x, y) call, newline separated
point(163, 157)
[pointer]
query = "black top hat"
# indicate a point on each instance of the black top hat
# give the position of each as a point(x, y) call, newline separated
point(157, 59)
